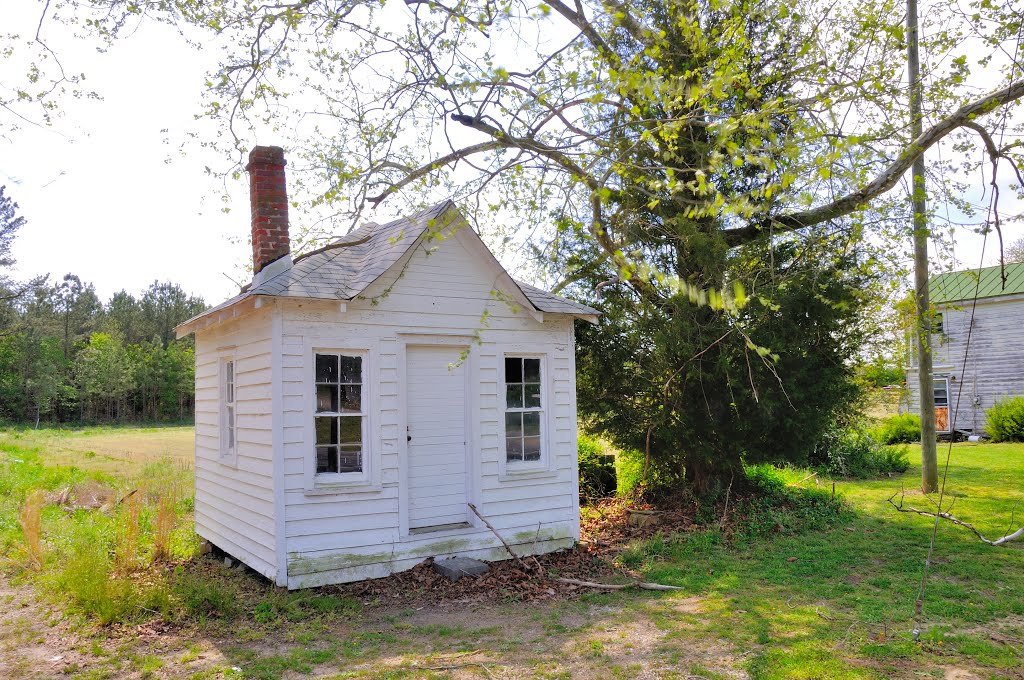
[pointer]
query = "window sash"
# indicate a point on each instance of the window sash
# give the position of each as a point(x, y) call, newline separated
point(229, 426)
point(523, 382)
point(339, 447)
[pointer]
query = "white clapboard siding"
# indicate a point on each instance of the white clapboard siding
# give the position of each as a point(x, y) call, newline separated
point(266, 506)
point(234, 505)
point(355, 533)
point(995, 361)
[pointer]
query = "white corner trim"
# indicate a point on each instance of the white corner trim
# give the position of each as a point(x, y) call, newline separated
point(277, 441)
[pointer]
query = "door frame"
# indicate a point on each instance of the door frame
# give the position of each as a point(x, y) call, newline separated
point(459, 342)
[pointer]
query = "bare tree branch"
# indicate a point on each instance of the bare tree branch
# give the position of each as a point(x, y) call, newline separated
point(938, 514)
point(889, 176)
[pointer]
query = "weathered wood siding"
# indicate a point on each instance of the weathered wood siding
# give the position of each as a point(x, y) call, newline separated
point(340, 535)
point(234, 505)
point(995, 362)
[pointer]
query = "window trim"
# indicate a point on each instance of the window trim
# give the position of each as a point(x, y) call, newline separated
point(369, 479)
point(513, 469)
point(362, 415)
point(228, 435)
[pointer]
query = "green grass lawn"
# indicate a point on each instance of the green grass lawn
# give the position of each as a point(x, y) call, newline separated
point(797, 591)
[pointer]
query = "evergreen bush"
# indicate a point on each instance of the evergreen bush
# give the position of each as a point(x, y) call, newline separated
point(597, 469)
point(904, 428)
point(1004, 422)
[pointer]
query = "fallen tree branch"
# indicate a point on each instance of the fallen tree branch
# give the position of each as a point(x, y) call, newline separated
point(494, 531)
point(608, 586)
point(938, 514)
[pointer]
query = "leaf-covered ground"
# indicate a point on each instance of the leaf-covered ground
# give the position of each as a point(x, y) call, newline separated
point(778, 590)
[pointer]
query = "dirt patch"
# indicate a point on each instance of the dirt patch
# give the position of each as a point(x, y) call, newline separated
point(33, 642)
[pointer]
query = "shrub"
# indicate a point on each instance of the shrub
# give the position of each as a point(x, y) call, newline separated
point(901, 429)
point(1004, 422)
point(854, 451)
point(597, 469)
point(629, 471)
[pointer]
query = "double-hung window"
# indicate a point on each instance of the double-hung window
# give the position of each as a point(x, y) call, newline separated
point(228, 422)
point(524, 409)
point(340, 421)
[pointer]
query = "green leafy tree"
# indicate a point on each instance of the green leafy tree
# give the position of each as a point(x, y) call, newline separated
point(10, 223)
point(1015, 253)
point(699, 392)
point(162, 307)
point(104, 375)
point(655, 150)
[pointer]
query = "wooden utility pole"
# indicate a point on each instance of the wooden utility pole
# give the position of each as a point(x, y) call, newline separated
point(929, 461)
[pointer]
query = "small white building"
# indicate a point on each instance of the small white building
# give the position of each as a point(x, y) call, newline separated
point(353, 402)
point(995, 356)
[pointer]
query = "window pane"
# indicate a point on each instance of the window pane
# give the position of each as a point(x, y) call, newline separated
point(513, 370)
point(350, 459)
point(231, 393)
point(351, 370)
point(513, 396)
point(352, 432)
point(514, 424)
point(532, 391)
point(327, 398)
point(351, 398)
point(531, 370)
point(513, 448)
point(326, 431)
point(326, 368)
point(327, 459)
point(531, 448)
point(229, 371)
point(231, 426)
point(531, 424)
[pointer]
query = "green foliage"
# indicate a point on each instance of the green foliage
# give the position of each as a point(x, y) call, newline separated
point(1004, 422)
point(10, 223)
point(65, 357)
point(768, 507)
point(597, 469)
point(629, 470)
point(854, 451)
point(80, 564)
point(771, 507)
point(707, 391)
point(904, 428)
point(881, 373)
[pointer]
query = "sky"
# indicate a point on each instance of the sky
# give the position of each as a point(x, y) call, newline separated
point(110, 196)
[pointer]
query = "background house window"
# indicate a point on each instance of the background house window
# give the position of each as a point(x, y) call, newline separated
point(228, 416)
point(339, 413)
point(523, 409)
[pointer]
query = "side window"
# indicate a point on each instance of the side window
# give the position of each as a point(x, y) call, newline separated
point(228, 433)
point(339, 420)
point(524, 409)
point(938, 326)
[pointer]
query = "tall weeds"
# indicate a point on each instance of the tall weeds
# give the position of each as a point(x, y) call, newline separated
point(32, 527)
point(126, 550)
point(163, 524)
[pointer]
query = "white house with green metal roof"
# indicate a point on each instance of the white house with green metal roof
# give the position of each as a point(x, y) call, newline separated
point(995, 358)
point(359, 405)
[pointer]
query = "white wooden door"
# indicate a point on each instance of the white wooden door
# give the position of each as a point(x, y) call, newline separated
point(436, 418)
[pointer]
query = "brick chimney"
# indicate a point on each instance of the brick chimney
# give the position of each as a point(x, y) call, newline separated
point(269, 199)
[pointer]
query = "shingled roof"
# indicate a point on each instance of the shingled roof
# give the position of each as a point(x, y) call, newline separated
point(343, 269)
point(988, 282)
